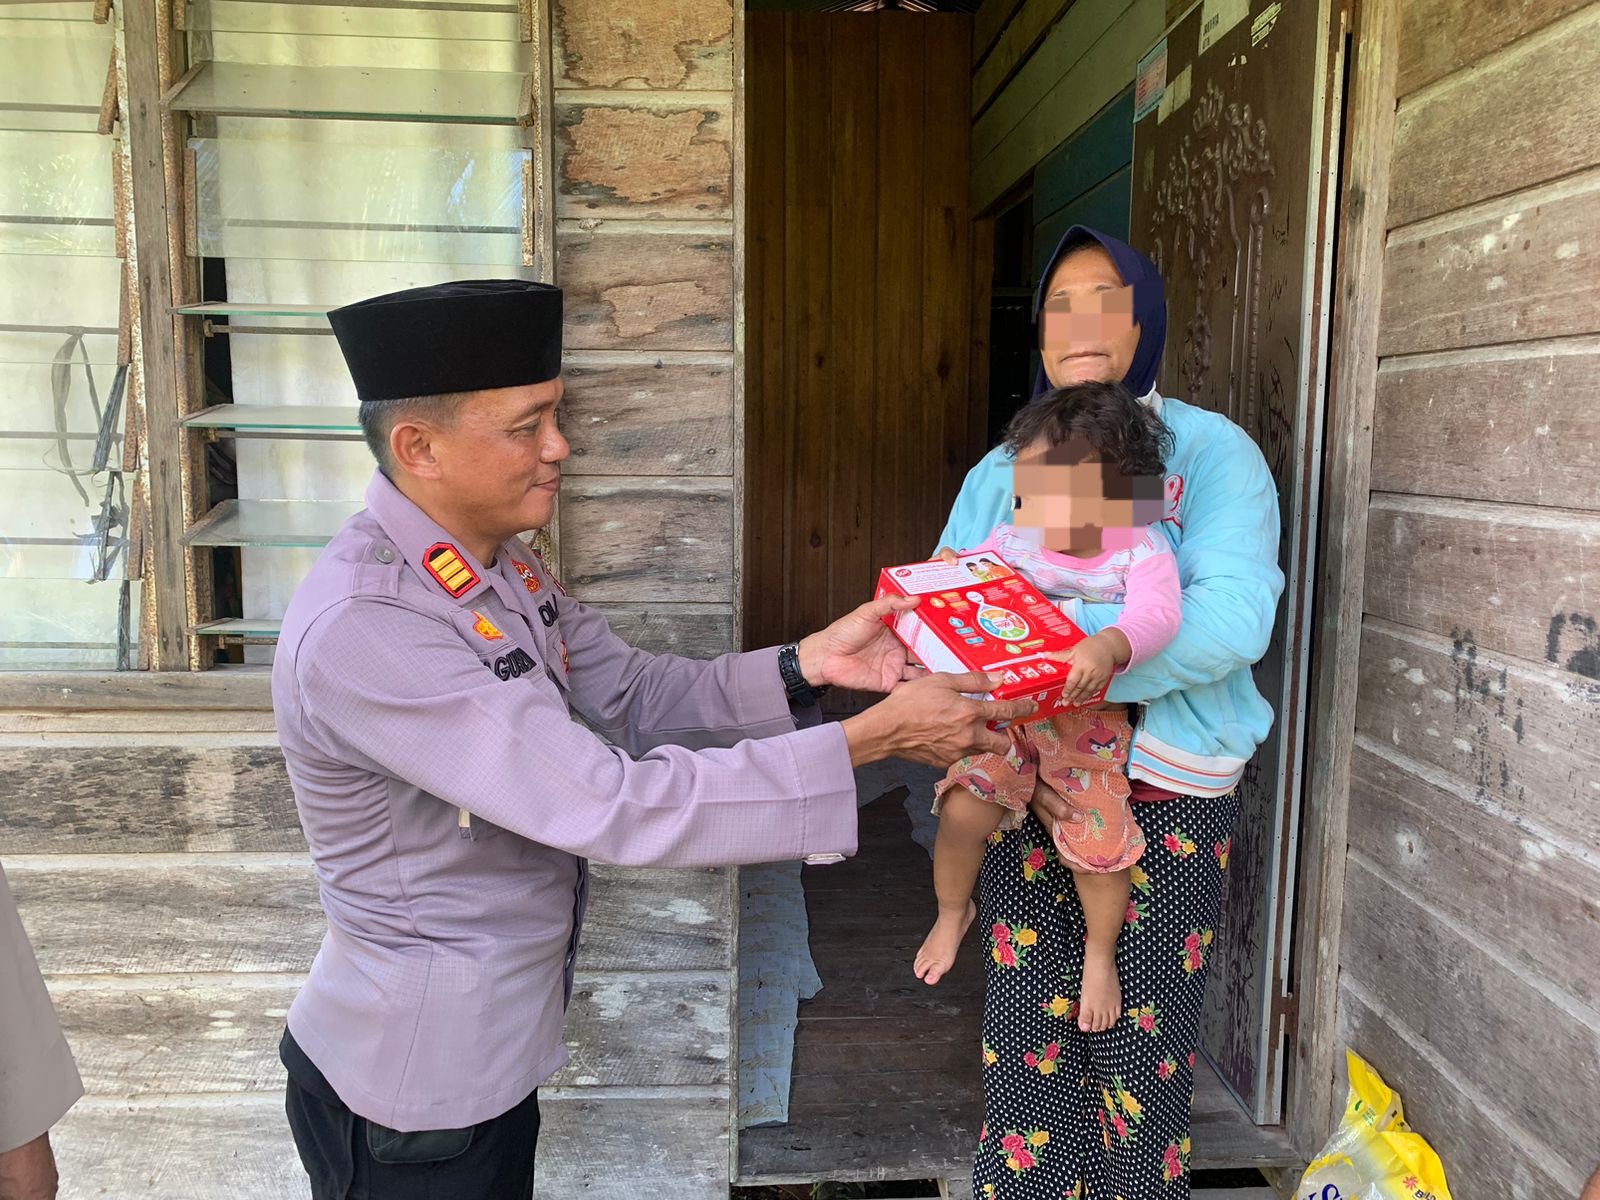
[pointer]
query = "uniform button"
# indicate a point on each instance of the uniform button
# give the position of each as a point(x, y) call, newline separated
point(383, 554)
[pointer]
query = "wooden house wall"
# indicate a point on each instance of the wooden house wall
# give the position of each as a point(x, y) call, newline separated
point(149, 826)
point(643, 148)
point(865, 354)
point(1471, 911)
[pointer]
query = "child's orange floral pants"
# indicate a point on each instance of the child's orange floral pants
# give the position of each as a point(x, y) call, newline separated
point(1083, 755)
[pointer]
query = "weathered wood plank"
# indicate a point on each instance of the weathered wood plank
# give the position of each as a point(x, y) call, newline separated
point(241, 688)
point(1512, 271)
point(1516, 575)
point(1441, 36)
point(266, 918)
point(157, 725)
point(649, 420)
point(1437, 981)
point(1514, 122)
point(606, 1148)
point(768, 422)
point(1531, 897)
point(646, 291)
point(1019, 39)
point(1311, 1101)
point(903, 417)
point(947, 271)
point(989, 23)
point(852, 270)
point(649, 539)
point(173, 1037)
point(689, 630)
point(165, 919)
point(142, 799)
point(182, 1152)
point(1450, 1116)
point(687, 44)
point(809, 326)
point(1513, 423)
point(151, 60)
point(1524, 736)
point(634, 160)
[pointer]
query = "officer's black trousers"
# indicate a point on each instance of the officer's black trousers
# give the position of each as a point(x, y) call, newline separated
point(351, 1158)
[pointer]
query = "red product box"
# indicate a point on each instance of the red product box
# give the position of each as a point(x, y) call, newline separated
point(980, 615)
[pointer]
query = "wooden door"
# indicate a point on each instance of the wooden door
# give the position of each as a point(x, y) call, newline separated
point(1230, 197)
point(863, 377)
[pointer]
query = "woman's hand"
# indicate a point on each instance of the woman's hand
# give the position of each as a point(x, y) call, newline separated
point(948, 556)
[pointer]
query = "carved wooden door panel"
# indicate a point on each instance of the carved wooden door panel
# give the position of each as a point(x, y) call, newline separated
point(1230, 199)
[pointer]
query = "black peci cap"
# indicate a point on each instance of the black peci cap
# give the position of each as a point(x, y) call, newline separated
point(467, 336)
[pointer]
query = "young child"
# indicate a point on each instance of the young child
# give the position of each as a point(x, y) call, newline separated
point(1089, 492)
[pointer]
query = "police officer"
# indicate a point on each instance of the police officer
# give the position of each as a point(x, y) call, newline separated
point(38, 1079)
point(427, 684)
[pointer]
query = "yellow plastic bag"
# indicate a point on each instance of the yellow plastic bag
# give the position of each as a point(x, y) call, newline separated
point(1373, 1155)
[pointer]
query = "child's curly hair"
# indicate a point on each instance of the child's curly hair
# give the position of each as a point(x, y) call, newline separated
point(1127, 436)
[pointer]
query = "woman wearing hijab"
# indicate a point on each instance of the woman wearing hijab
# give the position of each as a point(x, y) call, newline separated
point(1106, 1115)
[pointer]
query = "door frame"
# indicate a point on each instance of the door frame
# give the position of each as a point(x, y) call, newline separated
point(1371, 30)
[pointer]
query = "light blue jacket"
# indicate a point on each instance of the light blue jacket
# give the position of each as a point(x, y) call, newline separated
point(1202, 716)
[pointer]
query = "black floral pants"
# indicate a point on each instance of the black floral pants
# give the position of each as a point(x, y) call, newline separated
point(1101, 1116)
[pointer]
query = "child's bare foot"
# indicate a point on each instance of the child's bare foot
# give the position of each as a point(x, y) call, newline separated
point(938, 953)
point(1100, 1006)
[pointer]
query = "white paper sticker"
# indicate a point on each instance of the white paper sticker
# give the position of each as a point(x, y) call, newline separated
point(1177, 94)
point(1261, 27)
point(1219, 16)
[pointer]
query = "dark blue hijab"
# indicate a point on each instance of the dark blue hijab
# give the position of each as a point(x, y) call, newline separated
point(1149, 305)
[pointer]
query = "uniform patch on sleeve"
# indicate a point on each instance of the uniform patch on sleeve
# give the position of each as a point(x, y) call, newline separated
point(444, 563)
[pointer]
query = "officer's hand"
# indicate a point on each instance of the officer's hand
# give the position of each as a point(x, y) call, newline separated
point(858, 650)
point(928, 720)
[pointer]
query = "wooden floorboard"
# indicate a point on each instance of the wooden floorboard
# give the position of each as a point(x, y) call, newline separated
point(240, 1147)
point(887, 1073)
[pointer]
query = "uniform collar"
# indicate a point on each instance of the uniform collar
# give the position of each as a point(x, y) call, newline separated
point(442, 563)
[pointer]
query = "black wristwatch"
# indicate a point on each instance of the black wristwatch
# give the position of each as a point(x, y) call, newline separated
point(801, 694)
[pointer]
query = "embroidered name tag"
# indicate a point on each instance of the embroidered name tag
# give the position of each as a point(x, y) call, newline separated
point(513, 664)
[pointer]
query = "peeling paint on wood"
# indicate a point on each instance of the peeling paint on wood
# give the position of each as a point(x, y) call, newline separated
point(689, 630)
point(626, 44)
point(632, 161)
point(646, 291)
